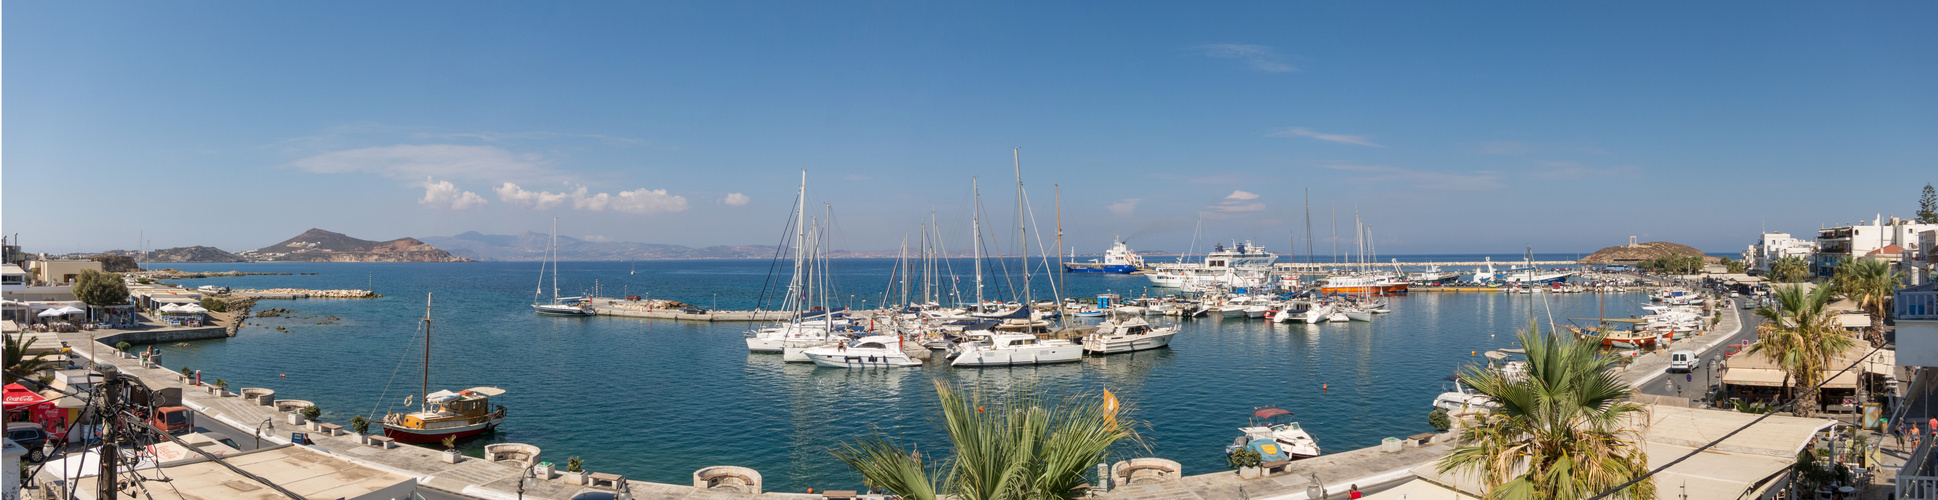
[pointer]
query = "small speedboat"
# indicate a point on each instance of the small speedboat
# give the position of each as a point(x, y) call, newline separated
point(1272, 430)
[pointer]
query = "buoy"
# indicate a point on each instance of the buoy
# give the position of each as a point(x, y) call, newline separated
point(284, 375)
point(1471, 353)
point(1325, 387)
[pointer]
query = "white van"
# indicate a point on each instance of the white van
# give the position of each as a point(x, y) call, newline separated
point(1682, 361)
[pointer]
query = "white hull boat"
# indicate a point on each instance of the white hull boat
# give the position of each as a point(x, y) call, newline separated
point(1126, 335)
point(868, 352)
point(1017, 349)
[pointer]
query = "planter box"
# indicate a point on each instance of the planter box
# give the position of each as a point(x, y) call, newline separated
point(452, 457)
point(294, 419)
point(574, 478)
point(1250, 472)
point(543, 471)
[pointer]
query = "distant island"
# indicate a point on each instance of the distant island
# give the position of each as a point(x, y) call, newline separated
point(317, 245)
point(1639, 252)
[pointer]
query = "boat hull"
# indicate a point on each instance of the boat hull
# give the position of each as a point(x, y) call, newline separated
point(861, 360)
point(1088, 267)
point(1013, 357)
point(417, 436)
point(1114, 345)
point(1390, 289)
point(561, 310)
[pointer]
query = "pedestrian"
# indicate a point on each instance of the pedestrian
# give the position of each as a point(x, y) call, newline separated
point(1355, 494)
point(1897, 432)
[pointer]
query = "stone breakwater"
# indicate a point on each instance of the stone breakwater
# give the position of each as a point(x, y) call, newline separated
point(299, 293)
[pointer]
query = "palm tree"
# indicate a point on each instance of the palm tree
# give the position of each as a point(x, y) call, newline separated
point(19, 362)
point(1870, 283)
point(1800, 335)
point(1558, 431)
point(1789, 269)
point(1020, 448)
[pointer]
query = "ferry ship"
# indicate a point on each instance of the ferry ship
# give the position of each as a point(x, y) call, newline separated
point(1118, 260)
point(1242, 265)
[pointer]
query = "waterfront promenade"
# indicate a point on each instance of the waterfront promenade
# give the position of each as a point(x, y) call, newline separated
point(472, 477)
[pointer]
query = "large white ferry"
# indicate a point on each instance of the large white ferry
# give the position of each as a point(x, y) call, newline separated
point(1242, 265)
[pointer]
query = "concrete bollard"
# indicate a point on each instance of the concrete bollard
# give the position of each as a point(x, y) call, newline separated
point(294, 419)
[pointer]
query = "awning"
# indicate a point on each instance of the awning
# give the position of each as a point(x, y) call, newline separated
point(1854, 320)
point(17, 396)
point(1763, 377)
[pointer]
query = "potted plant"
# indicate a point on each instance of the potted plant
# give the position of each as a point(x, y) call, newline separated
point(451, 455)
point(124, 347)
point(187, 375)
point(1246, 461)
point(361, 426)
point(221, 388)
point(308, 413)
point(574, 470)
point(1439, 419)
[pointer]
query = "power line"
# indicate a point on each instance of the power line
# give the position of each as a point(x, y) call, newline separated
point(1725, 437)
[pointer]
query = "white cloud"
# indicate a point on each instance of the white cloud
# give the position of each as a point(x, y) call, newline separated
point(736, 199)
point(1422, 179)
point(1123, 207)
point(638, 201)
point(444, 194)
point(449, 161)
point(1313, 134)
point(1259, 57)
point(1241, 195)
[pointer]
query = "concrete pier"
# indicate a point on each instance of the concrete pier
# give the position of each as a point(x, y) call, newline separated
point(471, 477)
point(639, 309)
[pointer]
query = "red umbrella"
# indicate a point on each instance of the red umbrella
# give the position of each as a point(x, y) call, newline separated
point(18, 395)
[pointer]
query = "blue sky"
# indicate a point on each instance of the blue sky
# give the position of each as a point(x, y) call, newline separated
point(1450, 126)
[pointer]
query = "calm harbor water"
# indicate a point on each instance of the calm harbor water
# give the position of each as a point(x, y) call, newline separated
point(655, 400)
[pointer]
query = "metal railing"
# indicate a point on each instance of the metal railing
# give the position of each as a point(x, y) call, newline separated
point(1916, 305)
point(1915, 480)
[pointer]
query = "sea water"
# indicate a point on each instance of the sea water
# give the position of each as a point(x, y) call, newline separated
point(657, 399)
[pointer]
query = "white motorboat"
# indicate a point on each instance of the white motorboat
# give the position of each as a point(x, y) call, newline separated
point(1256, 310)
point(881, 351)
point(1462, 397)
point(1338, 317)
point(1232, 310)
point(1357, 314)
point(1006, 349)
point(1276, 423)
point(1126, 334)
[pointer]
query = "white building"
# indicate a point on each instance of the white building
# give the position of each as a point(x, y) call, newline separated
point(1773, 246)
point(1874, 240)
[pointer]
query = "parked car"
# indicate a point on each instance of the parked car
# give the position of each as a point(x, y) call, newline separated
point(31, 436)
point(171, 419)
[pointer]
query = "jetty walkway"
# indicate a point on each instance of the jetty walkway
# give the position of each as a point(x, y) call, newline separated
point(472, 476)
point(653, 309)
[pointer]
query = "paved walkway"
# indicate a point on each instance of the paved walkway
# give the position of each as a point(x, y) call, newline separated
point(1365, 467)
point(1648, 367)
point(473, 477)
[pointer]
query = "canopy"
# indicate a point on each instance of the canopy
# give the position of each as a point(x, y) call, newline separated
point(1271, 412)
point(488, 391)
point(170, 307)
point(70, 310)
point(17, 396)
point(58, 311)
point(192, 309)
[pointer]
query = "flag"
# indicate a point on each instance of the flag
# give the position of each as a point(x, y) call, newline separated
point(1110, 407)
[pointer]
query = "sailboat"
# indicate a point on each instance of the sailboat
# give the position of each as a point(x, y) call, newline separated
point(444, 413)
point(812, 326)
point(560, 306)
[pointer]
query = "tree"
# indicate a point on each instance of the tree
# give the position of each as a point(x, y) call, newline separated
point(100, 289)
point(1439, 419)
point(1734, 266)
point(1558, 430)
point(1870, 283)
point(1016, 448)
point(360, 424)
point(1791, 269)
point(19, 362)
point(1800, 336)
point(1928, 206)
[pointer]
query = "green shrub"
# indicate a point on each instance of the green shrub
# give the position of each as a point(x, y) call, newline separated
point(1439, 420)
point(312, 411)
point(574, 464)
point(123, 346)
point(360, 424)
point(1244, 457)
point(215, 305)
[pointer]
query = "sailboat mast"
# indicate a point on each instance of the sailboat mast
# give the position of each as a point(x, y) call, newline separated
point(975, 234)
point(1057, 191)
point(423, 399)
point(555, 260)
point(1021, 231)
point(1308, 227)
point(904, 266)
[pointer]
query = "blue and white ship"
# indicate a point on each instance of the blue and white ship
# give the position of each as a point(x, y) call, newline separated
point(1119, 260)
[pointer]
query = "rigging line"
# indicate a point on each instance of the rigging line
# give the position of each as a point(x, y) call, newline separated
point(775, 263)
point(998, 257)
point(1759, 418)
point(1055, 291)
point(381, 396)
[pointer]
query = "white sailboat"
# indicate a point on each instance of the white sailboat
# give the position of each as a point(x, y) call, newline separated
point(560, 306)
point(807, 328)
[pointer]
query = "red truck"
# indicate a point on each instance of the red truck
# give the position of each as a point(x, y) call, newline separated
point(171, 419)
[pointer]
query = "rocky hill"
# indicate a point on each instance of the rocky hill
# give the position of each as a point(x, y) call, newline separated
point(533, 246)
point(1626, 254)
point(317, 245)
point(180, 254)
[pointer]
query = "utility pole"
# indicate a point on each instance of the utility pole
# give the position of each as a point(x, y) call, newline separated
point(111, 434)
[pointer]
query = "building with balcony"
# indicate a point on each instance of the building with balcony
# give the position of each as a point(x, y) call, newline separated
point(1773, 246)
point(1860, 241)
point(1915, 310)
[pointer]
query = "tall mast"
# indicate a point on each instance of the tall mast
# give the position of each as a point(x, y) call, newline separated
point(1022, 233)
point(1057, 190)
point(975, 234)
point(1335, 235)
point(904, 266)
point(1308, 227)
point(555, 261)
point(423, 400)
point(796, 290)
